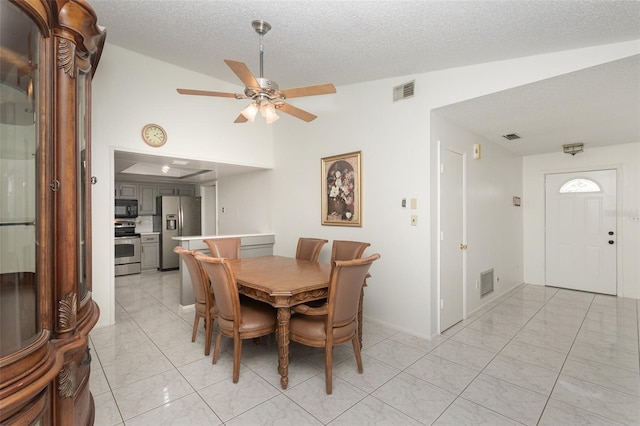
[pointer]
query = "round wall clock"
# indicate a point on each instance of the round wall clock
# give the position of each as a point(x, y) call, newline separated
point(154, 135)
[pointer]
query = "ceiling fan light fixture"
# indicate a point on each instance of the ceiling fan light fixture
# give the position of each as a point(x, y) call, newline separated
point(268, 111)
point(265, 93)
point(250, 111)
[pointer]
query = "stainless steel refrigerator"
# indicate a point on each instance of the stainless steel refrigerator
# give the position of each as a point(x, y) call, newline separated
point(177, 216)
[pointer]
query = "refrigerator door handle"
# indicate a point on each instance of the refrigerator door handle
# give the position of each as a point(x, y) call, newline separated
point(180, 223)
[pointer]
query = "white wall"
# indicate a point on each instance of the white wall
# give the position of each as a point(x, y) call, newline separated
point(394, 138)
point(244, 204)
point(398, 157)
point(131, 90)
point(493, 224)
point(626, 159)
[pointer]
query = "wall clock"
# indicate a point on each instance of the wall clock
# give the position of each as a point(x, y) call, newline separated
point(154, 135)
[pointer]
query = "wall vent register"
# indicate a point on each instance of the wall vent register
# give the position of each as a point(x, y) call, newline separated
point(486, 282)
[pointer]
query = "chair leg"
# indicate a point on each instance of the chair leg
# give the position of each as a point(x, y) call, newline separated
point(196, 321)
point(216, 348)
point(208, 329)
point(328, 374)
point(356, 351)
point(237, 354)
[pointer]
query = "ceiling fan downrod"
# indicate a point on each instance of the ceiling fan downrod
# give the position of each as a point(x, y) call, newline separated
point(261, 27)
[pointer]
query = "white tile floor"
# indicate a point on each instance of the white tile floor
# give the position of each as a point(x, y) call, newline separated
point(541, 356)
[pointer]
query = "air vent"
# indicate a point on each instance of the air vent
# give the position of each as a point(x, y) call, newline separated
point(486, 282)
point(511, 136)
point(404, 91)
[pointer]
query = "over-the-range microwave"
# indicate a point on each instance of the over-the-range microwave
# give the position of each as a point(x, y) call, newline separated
point(125, 209)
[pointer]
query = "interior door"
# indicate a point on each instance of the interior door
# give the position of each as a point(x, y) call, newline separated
point(451, 239)
point(581, 234)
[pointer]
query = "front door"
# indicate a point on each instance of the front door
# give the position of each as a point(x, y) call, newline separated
point(451, 239)
point(581, 234)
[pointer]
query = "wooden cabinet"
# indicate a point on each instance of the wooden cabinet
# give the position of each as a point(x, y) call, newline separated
point(166, 190)
point(189, 190)
point(150, 258)
point(146, 193)
point(147, 200)
point(49, 51)
point(126, 191)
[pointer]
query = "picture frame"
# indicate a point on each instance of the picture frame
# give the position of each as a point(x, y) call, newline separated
point(341, 181)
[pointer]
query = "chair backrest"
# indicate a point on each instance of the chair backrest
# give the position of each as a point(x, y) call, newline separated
point(225, 289)
point(309, 248)
point(345, 285)
point(199, 278)
point(347, 250)
point(228, 248)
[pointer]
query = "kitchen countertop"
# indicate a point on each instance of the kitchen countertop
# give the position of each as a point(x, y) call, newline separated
point(208, 237)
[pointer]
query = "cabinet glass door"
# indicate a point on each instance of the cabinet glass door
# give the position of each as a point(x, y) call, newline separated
point(85, 188)
point(19, 148)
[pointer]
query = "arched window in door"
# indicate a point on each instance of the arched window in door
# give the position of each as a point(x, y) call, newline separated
point(579, 185)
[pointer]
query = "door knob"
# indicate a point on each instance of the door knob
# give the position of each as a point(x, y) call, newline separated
point(610, 241)
point(610, 232)
point(463, 246)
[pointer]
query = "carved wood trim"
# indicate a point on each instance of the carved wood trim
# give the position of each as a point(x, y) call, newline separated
point(305, 297)
point(67, 380)
point(67, 312)
point(255, 294)
point(67, 57)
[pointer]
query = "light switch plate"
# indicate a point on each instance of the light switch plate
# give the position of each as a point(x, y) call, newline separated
point(414, 220)
point(414, 203)
point(476, 151)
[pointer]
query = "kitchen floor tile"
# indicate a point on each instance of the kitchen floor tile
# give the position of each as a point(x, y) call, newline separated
point(146, 370)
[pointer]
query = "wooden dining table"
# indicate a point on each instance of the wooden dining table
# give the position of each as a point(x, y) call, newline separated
point(282, 282)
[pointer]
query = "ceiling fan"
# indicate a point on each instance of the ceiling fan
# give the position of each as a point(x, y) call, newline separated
point(267, 97)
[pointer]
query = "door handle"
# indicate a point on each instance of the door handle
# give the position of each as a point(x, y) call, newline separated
point(463, 246)
point(610, 232)
point(610, 241)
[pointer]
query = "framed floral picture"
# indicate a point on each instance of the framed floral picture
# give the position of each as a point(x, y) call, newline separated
point(342, 189)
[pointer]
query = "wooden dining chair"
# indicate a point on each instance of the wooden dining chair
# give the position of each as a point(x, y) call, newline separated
point(309, 248)
point(347, 250)
point(236, 320)
point(336, 322)
point(228, 248)
point(205, 303)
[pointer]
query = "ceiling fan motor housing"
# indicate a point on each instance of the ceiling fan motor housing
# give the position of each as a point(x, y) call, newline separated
point(267, 87)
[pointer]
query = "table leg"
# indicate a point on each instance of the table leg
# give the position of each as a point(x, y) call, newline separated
point(284, 315)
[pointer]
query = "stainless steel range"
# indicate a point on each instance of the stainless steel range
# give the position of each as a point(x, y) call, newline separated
point(127, 247)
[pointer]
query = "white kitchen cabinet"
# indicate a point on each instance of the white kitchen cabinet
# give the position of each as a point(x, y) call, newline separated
point(186, 190)
point(165, 189)
point(147, 199)
point(126, 190)
point(150, 258)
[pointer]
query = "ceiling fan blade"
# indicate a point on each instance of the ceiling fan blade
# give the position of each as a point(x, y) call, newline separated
point(243, 73)
point(320, 89)
point(297, 112)
point(241, 119)
point(207, 93)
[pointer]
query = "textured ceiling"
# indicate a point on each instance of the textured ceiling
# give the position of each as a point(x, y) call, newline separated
point(597, 106)
point(346, 42)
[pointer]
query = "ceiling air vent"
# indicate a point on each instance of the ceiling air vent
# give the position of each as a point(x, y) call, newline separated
point(511, 136)
point(404, 91)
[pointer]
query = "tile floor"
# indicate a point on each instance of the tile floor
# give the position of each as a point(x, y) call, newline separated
point(541, 356)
